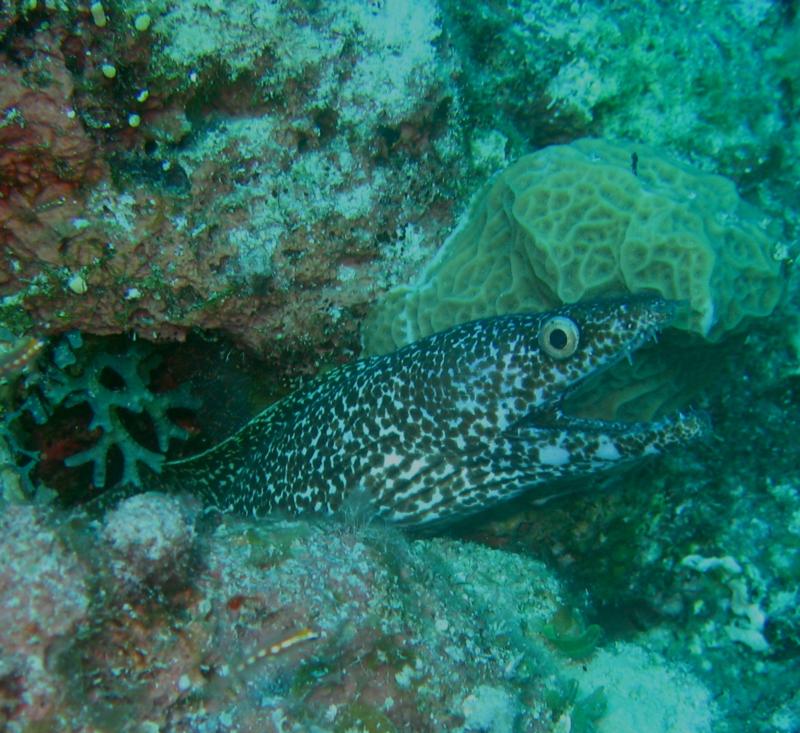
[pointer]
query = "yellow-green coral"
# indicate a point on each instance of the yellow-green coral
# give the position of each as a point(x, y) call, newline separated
point(572, 222)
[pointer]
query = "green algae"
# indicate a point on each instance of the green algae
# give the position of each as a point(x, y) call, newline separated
point(582, 713)
point(272, 542)
point(567, 633)
point(362, 717)
point(310, 675)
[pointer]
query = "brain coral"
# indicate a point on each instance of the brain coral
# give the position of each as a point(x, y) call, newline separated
point(577, 221)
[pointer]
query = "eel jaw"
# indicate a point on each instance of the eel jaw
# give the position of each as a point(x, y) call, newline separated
point(553, 412)
point(610, 332)
point(640, 438)
point(552, 415)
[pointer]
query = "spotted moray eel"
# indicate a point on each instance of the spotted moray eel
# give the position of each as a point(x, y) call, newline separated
point(444, 428)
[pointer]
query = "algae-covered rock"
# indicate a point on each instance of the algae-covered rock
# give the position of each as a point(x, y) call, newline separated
point(276, 626)
point(149, 538)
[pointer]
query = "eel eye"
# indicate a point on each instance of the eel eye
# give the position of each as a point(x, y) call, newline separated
point(559, 337)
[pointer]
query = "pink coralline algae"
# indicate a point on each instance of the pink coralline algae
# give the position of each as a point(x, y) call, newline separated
point(46, 158)
point(43, 601)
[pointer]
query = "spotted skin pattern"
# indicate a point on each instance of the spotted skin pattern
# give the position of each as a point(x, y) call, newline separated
point(443, 428)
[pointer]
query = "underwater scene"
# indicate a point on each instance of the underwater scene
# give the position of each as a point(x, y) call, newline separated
point(371, 366)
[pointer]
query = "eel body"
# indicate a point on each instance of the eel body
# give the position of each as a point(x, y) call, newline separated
point(444, 428)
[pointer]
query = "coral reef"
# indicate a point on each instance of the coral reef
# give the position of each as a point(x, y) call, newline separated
point(268, 174)
point(261, 172)
point(281, 625)
point(47, 160)
point(724, 98)
point(268, 171)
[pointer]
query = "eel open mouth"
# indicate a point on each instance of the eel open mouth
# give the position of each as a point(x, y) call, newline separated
point(592, 351)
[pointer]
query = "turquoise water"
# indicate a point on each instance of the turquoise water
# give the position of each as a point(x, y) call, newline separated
point(206, 206)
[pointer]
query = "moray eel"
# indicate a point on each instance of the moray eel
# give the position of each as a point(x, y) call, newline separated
point(444, 428)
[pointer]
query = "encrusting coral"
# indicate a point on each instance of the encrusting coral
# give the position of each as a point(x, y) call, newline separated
point(46, 158)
